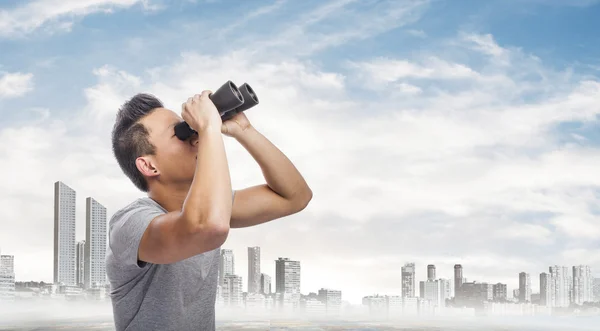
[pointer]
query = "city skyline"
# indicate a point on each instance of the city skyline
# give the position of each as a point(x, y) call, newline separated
point(576, 282)
point(430, 132)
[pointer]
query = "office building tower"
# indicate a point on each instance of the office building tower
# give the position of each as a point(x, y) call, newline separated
point(560, 278)
point(7, 263)
point(524, 287)
point(287, 276)
point(596, 289)
point(64, 235)
point(547, 292)
point(458, 278)
point(582, 284)
point(500, 292)
point(7, 277)
point(226, 265)
point(431, 272)
point(265, 284)
point(95, 244)
point(80, 263)
point(332, 300)
point(254, 270)
point(232, 290)
point(408, 280)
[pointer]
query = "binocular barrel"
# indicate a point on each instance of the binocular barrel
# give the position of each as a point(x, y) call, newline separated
point(229, 100)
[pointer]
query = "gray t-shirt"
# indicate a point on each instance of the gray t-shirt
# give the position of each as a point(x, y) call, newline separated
point(145, 296)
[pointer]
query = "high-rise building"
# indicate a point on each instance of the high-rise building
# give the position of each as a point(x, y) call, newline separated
point(560, 278)
point(254, 270)
point(500, 292)
point(265, 284)
point(458, 278)
point(226, 265)
point(64, 235)
point(431, 272)
point(287, 276)
point(596, 290)
point(7, 263)
point(332, 300)
point(432, 291)
point(582, 284)
point(81, 263)
point(95, 244)
point(547, 292)
point(524, 287)
point(7, 277)
point(232, 290)
point(408, 280)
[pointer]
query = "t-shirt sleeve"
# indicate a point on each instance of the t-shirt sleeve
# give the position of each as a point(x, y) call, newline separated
point(126, 233)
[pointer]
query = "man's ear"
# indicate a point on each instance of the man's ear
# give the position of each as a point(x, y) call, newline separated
point(146, 166)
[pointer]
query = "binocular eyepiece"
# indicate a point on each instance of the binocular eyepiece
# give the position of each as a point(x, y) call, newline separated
point(229, 100)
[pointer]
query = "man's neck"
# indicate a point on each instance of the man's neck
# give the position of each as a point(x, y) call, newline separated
point(170, 198)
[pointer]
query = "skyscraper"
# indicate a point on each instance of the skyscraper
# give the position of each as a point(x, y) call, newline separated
point(431, 272)
point(408, 280)
point(560, 278)
point(254, 270)
point(265, 284)
point(458, 279)
point(287, 276)
point(226, 265)
point(80, 263)
point(64, 235)
point(582, 284)
point(95, 244)
point(547, 292)
point(524, 287)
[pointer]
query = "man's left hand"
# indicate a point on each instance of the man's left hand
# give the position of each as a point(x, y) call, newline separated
point(235, 126)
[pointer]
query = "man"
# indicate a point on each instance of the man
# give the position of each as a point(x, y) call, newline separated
point(163, 254)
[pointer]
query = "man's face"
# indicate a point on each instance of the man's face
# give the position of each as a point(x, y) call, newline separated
point(175, 160)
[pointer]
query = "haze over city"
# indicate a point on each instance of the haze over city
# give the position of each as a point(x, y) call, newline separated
point(434, 132)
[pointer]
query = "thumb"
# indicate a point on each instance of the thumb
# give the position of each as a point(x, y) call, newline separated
point(224, 128)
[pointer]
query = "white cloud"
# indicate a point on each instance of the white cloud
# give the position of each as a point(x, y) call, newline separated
point(15, 84)
point(57, 15)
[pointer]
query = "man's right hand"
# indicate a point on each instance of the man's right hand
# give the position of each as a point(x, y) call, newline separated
point(200, 113)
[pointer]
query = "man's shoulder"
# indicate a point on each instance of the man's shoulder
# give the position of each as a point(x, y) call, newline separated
point(138, 205)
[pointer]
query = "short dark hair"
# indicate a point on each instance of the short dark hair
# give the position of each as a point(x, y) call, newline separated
point(130, 137)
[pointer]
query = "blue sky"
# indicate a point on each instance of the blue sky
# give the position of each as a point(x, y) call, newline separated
point(414, 121)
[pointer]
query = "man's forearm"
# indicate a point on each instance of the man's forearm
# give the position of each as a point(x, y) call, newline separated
point(279, 172)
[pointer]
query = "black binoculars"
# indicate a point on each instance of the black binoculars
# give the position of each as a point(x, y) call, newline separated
point(229, 100)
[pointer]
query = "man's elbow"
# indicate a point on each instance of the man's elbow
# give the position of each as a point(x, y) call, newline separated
point(215, 229)
point(302, 200)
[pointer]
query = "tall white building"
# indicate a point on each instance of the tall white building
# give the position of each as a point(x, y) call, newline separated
point(265, 284)
point(7, 277)
point(64, 235)
point(80, 263)
point(583, 284)
point(408, 280)
point(254, 270)
point(232, 290)
point(95, 244)
point(547, 290)
point(524, 287)
point(226, 265)
point(287, 276)
point(560, 278)
point(332, 300)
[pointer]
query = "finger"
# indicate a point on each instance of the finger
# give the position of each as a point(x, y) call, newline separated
point(196, 97)
point(189, 100)
point(205, 94)
point(224, 128)
point(183, 107)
